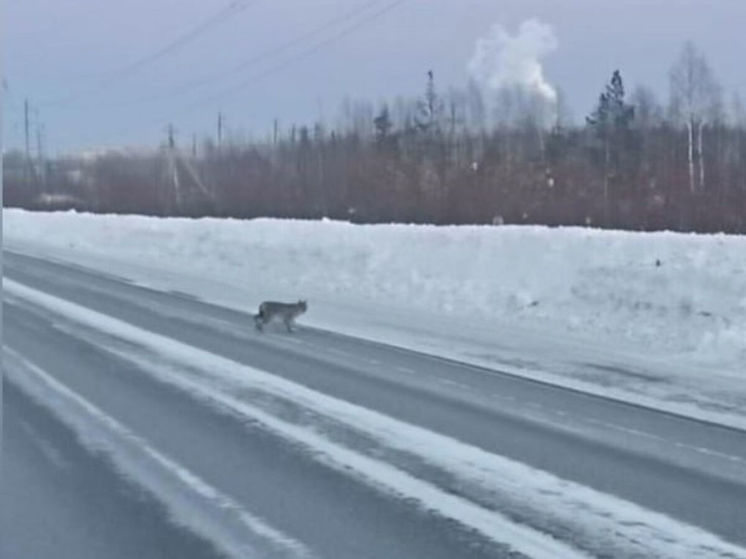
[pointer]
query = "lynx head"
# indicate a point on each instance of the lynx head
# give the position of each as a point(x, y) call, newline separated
point(303, 305)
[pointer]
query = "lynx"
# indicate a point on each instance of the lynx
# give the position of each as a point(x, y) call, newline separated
point(287, 312)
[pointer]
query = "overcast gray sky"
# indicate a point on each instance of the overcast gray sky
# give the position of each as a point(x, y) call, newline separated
point(96, 72)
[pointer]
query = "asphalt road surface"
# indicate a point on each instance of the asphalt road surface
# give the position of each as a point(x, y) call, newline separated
point(67, 494)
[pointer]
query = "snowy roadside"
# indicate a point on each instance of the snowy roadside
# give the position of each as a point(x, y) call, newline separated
point(657, 319)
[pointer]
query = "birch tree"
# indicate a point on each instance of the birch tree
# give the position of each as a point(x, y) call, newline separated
point(695, 101)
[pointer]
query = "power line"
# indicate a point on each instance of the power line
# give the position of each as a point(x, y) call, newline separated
point(234, 8)
point(299, 56)
point(274, 51)
point(255, 59)
point(302, 55)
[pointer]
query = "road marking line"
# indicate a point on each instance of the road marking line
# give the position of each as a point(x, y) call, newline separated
point(626, 523)
point(82, 415)
point(491, 524)
point(450, 382)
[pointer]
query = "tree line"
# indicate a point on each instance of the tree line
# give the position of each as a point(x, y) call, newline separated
point(453, 157)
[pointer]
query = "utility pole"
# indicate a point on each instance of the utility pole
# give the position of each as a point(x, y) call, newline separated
point(27, 171)
point(172, 173)
point(221, 121)
point(40, 152)
point(180, 193)
point(171, 140)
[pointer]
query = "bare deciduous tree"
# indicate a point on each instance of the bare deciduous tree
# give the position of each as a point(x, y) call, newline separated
point(695, 101)
point(648, 111)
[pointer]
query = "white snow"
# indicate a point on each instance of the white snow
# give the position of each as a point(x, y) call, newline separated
point(602, 522)
point(658, 318)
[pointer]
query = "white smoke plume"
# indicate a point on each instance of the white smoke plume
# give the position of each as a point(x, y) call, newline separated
point(503, 60)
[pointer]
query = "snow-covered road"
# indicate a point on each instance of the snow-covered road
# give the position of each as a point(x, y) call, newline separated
point(317, 444)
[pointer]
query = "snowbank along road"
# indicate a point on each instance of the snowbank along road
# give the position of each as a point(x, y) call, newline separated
point(151, 423)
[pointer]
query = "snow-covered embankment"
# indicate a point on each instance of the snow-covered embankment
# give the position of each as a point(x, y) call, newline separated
point(660, 315)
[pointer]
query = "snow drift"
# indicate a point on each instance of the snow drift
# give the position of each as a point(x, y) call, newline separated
point(664, 295)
